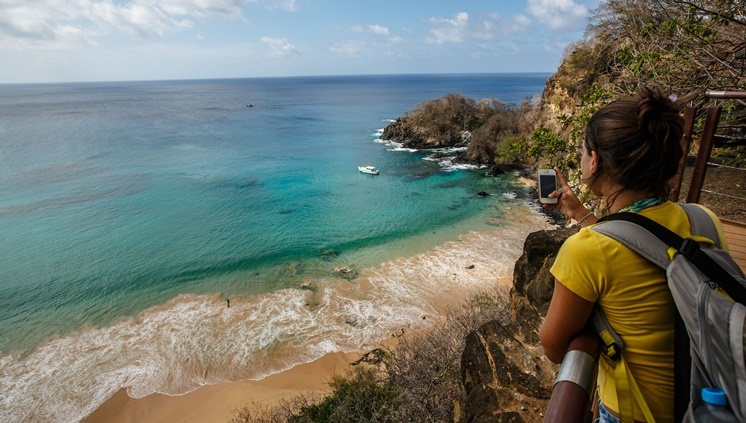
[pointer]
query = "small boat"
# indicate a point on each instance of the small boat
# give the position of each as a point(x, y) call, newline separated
point(368, 169)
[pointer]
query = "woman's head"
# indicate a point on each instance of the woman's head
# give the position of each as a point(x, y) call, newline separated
point(637, 143)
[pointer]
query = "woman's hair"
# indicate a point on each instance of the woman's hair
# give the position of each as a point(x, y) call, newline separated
point(637, 141)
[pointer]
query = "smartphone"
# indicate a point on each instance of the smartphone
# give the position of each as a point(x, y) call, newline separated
point(547, 185)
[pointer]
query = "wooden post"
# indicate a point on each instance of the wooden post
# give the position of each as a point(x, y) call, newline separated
point(686, 141)
point(703, 156)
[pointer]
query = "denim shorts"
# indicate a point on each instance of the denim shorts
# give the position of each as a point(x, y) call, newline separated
point(604, 416)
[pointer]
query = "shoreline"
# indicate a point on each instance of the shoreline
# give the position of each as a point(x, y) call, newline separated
point(215, 403)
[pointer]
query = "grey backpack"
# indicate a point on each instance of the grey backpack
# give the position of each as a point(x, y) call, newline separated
point(698, 275)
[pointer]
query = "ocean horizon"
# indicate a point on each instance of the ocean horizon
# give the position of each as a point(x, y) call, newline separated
point(133, 213)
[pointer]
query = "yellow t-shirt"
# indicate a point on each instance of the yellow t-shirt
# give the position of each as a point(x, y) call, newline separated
point(634, 296)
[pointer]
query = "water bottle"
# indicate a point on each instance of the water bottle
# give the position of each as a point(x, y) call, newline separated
point(714, 409)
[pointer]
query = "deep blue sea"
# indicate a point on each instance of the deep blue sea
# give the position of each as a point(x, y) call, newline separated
point(130, 212)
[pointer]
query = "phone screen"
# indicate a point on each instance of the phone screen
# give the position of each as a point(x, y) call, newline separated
point(548, 184)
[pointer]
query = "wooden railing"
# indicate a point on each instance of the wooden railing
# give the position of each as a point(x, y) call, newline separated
point(707, 141)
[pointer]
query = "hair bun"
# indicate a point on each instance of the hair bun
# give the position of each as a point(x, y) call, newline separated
point(653, 106)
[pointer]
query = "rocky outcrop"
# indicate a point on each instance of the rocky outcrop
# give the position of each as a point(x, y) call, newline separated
point(532, 282)
point(411, 135)
point(505, 374)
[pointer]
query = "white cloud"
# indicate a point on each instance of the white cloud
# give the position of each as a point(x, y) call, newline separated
point(373, 29)
point(279, 47)
point(197, 8)
point(348, 49)
point(462, 28)
point(28, 24)
point(379, 30)
point(559, 14)
point(286, 5)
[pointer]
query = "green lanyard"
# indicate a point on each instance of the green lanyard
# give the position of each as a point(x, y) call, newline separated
point(643, 204)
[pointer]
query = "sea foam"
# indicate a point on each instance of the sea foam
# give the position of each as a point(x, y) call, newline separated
point(195, 340)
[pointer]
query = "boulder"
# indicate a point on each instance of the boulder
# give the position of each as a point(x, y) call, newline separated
point(533, 284)
point(505, 374)
point(346, 273)
point(503, 379)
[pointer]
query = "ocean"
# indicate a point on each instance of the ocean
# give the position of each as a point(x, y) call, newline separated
point(132, 213)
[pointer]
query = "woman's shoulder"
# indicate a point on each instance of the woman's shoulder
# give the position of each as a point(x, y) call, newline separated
point(587, 240)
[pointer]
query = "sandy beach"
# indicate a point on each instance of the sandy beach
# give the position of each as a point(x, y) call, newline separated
point(214, 403)
point(475, 262)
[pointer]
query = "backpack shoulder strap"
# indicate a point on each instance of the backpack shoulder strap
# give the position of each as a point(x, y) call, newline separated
point(636, 237)
point(687, 247)
point(701, 223)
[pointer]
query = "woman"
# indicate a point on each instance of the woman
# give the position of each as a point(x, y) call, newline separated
point(631, 150)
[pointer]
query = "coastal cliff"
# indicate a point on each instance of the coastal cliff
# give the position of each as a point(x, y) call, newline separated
point(505, 374)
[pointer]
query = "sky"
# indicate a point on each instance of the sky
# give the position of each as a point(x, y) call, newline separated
point(116, 40)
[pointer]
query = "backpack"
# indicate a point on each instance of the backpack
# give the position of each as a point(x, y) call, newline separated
point(698, 272)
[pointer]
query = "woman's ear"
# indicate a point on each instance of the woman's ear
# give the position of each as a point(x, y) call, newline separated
point(594, 162)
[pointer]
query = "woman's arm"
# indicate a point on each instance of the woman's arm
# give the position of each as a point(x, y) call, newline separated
point(567, 317)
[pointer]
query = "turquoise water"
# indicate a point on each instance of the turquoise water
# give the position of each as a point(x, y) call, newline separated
point(130, 212)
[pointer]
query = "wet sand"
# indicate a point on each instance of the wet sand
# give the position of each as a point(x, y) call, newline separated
point(217, 403)
point(214, 403)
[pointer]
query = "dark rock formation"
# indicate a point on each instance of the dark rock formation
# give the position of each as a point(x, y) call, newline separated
point(532, 281)
point(348, 273)
point(506, 376)
point(503, 379)
point(411, 135)
point(495, 171)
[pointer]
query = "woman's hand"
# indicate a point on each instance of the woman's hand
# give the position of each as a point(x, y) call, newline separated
point(568, 203)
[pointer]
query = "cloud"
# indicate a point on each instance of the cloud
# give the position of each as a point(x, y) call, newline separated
point(461, 28)
point(373, 29)
point(348, 49)
point(379, 30)
point(286, 5)
point(28, 24)
point(279, 47)
point(559, 14)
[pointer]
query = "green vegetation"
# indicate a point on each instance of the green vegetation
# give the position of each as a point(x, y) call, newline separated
point(455, 120)
point(361, 396)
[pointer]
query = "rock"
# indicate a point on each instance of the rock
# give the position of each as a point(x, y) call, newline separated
point(503, 367)
point(471, 266)
point(533, 284)
point(374, 357)
point(412, 135)
point(329, 254)
point(310, 286)
point(495, 171)
point(501, 375)
point(346, 273)
point(440, 155)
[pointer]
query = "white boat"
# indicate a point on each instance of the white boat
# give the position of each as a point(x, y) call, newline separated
point(368, 169)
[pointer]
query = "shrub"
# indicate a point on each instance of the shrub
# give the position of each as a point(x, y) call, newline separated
point(419, 381)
